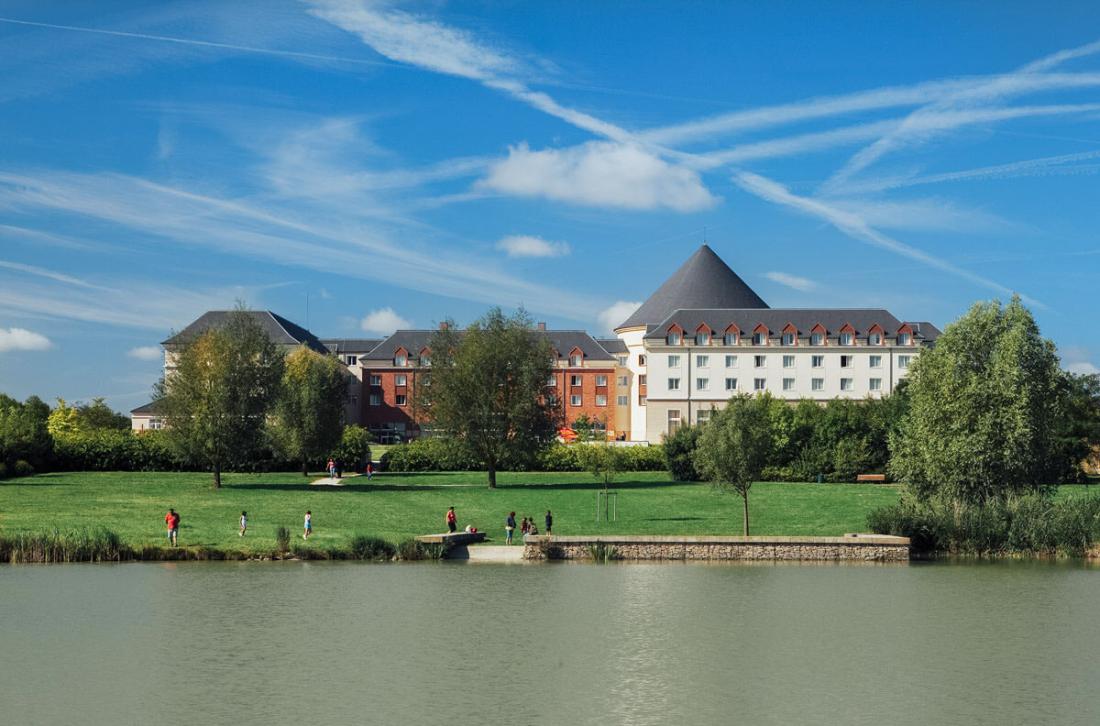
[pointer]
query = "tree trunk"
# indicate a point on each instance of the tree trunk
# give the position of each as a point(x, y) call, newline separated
point(217, 476)
point(492, 476)
point(745, 503)
point(305, 467)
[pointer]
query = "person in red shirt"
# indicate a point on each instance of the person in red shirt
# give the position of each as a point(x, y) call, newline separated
point(452, 520)
point(172, 519)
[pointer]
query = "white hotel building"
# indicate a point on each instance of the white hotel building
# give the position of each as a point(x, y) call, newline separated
point(705, 335)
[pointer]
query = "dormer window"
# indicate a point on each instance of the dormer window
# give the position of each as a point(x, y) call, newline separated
point(817, 339)
point(575, 360)
point(759, 338)
point(425, 360)
point(874, 339)
point(673, 337)
point(702, 338)
point(729, 339)
point(845, 339)
point(905, 339)
point(351, 359)
point(788, 339)
point(400, 359)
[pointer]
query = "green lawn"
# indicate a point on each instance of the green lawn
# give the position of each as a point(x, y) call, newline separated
point(396, 506)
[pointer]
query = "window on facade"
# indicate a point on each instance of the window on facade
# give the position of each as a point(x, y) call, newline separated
point(641, 380)
point(673, 420)
point(375, 380)
point(845, 361)
point(817, 384)
point(731, 384)
point(624, 380)
point(622, 361)
point(641, 400)
point(156, 424)
point(553, 381)
point(601, 380)
point(731, 361)
point(903, 361)
point(622, 400)
point(674, 361)
point(575, 360)
point(702, 361)
point(400, 380)
point(703, 416)
point(673, 338)
point(845, 384)
point(875, 384)
point(641, 360)
point(425, 360)
point(702, 384)
point(758, 361)
point(575, 380)
point(702, 338)
point(759, 384)
point(817, 361)
point(574, 400)
point(788, 361)
point(375, 399)
point(401, 359)
point(401, 399)
point(729, 339)
point(601, 400)
point(788, 384)
point(552, 400)
point(788, 339)
point(674, 384)
point(352, 359)
point(817, 339)
point(876, 361)
point(845, 339)
point(759, 338)
point(874, 339)
point(904, 339)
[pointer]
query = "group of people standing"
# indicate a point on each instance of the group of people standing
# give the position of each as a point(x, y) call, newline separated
point(527, 526)
point(172, 520)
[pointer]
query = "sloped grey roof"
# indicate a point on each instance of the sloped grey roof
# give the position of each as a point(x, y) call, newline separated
point(148, 409)
point(703, 281)
point(563, 342)
point(351, 345)
point(925, 330)
point(613, 346)
point(280, 330)
point(775, 319)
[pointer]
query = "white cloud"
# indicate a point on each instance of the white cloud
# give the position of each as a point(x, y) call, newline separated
point(22, 339)
point(932, 214)
point(1083, 368)
point(616, 314)
point(145, 352)
point(792, 281)
point(599, 174)
point(857, 228)
point(523, 245)
point(383, 321)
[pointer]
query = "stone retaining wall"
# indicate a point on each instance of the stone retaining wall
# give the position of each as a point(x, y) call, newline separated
point(862, 548)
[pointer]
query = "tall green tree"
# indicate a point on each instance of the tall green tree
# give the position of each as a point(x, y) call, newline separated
point(487, 388)
point(309, 412)
point(735, 446)
point(1078, 428)
point(604, 461)
point(216, 401)
point(23, 432)
point(983, 408)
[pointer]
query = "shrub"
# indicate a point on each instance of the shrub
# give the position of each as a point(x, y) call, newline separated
point(440, 454)
point(362, 547)
point(3, 470)
point(354, 447)
point(22, 468)
point(680, 453)
point(282, 540)
point(81, 545)
point(603, 553)
point(413, 549)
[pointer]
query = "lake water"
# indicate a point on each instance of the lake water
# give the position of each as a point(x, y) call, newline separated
point(336, 643)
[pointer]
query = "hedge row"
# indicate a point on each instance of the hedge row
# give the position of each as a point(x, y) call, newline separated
point(450, 455)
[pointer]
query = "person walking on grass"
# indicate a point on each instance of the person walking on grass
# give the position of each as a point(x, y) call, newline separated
point(244, 523)
point(549, 522)
point(509, 527)
point(370, 471)
point(172, 519)
point(307, 525)
point(452, 520)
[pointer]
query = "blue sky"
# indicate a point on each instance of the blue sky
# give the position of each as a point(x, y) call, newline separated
point(403, 163)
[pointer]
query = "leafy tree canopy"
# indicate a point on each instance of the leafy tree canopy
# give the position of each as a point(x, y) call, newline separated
point(309, 411)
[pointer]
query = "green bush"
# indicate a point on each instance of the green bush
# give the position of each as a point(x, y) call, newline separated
point(282, 540)
point(680, 453)
point(362, 547)
point(440, 454)
point(22, 468)
point(413, 549)
point(81, 545)
point(1031, 523)
point(559, 457)
point(354, 447)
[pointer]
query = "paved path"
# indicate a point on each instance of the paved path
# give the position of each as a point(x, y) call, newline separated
point(327, 482)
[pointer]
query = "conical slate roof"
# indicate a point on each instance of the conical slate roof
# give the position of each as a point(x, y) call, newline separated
point(704, 281)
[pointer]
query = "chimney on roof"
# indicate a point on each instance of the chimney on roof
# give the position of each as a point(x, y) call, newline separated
point(443, 325)
point(541, 326)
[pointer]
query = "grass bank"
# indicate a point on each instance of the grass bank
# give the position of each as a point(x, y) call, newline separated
point(395, 507)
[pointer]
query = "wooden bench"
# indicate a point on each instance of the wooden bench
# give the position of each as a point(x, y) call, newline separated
point(881, 478)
